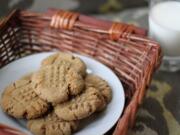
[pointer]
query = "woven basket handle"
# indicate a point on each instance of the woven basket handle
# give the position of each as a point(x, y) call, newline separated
point(64, 19)
point(119, 30)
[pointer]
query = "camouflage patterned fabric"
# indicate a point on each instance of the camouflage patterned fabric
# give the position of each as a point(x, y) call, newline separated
point(160, 113)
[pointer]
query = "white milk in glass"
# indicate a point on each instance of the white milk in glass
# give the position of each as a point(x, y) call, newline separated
point(164, 26)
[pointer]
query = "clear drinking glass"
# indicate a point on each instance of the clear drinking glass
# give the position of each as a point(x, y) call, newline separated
point(164, 27)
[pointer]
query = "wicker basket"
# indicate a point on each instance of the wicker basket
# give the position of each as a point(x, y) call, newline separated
point(124, 48)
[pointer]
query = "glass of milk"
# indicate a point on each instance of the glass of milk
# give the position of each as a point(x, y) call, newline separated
point(164, 27)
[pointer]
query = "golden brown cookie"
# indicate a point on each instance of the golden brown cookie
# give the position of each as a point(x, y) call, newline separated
point(20, 101)
point(100, 84)
point(81, 106)
point(61, 58)
point(55, 83)
point(52, 125)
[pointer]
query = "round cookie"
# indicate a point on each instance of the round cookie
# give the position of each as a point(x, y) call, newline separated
point(55, 83)
point(52, 125)
point(61, 58)
point(100, 84)
point(81, 106)
point(20, 101)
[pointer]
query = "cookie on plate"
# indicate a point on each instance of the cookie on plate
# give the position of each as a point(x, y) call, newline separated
point(100, 84)
point(52, 125)
point(81, 106)
point(20, 101)
point(61, 58)
point(55, 83)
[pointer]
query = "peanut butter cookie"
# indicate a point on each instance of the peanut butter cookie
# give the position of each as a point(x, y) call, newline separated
point(81, 106)
point(55, 83)
point(61, 58)
point(52, 125)
point(100, 84)
point(20, 101)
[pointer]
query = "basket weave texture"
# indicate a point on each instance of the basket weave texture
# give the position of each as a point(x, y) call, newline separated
point(122, 47)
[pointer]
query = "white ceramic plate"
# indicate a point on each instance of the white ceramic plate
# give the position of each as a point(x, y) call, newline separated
point(95, 125)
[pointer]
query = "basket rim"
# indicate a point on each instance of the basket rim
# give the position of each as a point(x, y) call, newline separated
point(131, 37)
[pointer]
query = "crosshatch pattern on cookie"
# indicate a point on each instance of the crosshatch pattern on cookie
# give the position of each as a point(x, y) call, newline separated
point(55, 83)
point(97, 82)
point(61, 58)
point(81, 106)
point(52, 125)
point(20, 101)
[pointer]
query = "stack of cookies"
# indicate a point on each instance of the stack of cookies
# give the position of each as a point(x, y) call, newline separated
point(56, 97)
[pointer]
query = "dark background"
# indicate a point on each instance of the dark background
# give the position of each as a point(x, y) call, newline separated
point(85, 6)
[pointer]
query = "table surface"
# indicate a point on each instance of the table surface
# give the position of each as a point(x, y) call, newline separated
point(160, 111)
